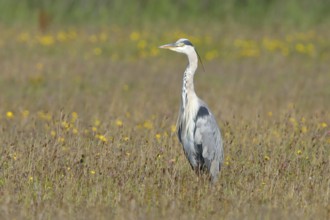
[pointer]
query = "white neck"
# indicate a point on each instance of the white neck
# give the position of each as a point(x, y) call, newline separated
point(188, 78)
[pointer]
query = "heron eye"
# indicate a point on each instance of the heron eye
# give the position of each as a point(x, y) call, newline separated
point(181, 44)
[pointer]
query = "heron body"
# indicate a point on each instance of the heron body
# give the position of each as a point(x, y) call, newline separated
point(197, 129)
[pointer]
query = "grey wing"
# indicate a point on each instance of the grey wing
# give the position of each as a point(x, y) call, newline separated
point(208, 141)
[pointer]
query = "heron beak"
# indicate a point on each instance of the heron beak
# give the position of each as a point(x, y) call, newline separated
point(168, 46)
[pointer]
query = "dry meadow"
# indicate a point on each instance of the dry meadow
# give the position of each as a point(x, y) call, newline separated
point(87, 125)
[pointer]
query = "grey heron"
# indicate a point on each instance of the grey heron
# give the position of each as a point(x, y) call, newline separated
point(197, 128)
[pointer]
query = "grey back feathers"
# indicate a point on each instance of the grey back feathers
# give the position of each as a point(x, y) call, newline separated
point(197, 129)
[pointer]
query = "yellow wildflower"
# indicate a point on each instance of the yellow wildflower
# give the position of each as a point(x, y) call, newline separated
point(10, 115)
point(324, 125)
point(148, 124)
point(158, 136)
point(267, 158)
point(119, 123)
point(23, 37)
point(103, 37)
point(249, 52)
point(212, 54)
point(14, 156)
point(102, 138)
point(173, 128)
point(45, 116)
point(92, 172)
point(46, 40)
point(125, 87)
point(97, 51)
point(310, 49)
point(61, 36)
point(65, 124)
point(142, 44)
point(75, 131)
point(300, 48)
point(134, 36)
point(299, 152)
point(276, 134)
point(227, 160)
point(293, 120)
point(154, 51)
point(97, 122)
point(53, 133)
point(74, 116)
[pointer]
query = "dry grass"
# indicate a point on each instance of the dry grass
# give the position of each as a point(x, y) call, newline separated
point(93, 139)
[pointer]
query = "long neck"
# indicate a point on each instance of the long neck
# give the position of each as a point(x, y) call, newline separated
point(188, 78)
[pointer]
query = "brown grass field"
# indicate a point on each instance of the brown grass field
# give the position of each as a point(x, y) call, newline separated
point(87, 125)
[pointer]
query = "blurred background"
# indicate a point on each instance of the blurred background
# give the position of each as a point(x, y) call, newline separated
point(281, 43)
point(292, 13)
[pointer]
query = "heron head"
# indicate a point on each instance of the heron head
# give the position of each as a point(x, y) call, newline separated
point(182, 46)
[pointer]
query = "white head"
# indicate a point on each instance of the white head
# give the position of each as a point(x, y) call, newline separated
point(182, 46)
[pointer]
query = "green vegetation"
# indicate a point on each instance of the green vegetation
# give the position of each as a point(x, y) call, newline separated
point(301, 13)
point(88, 111)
